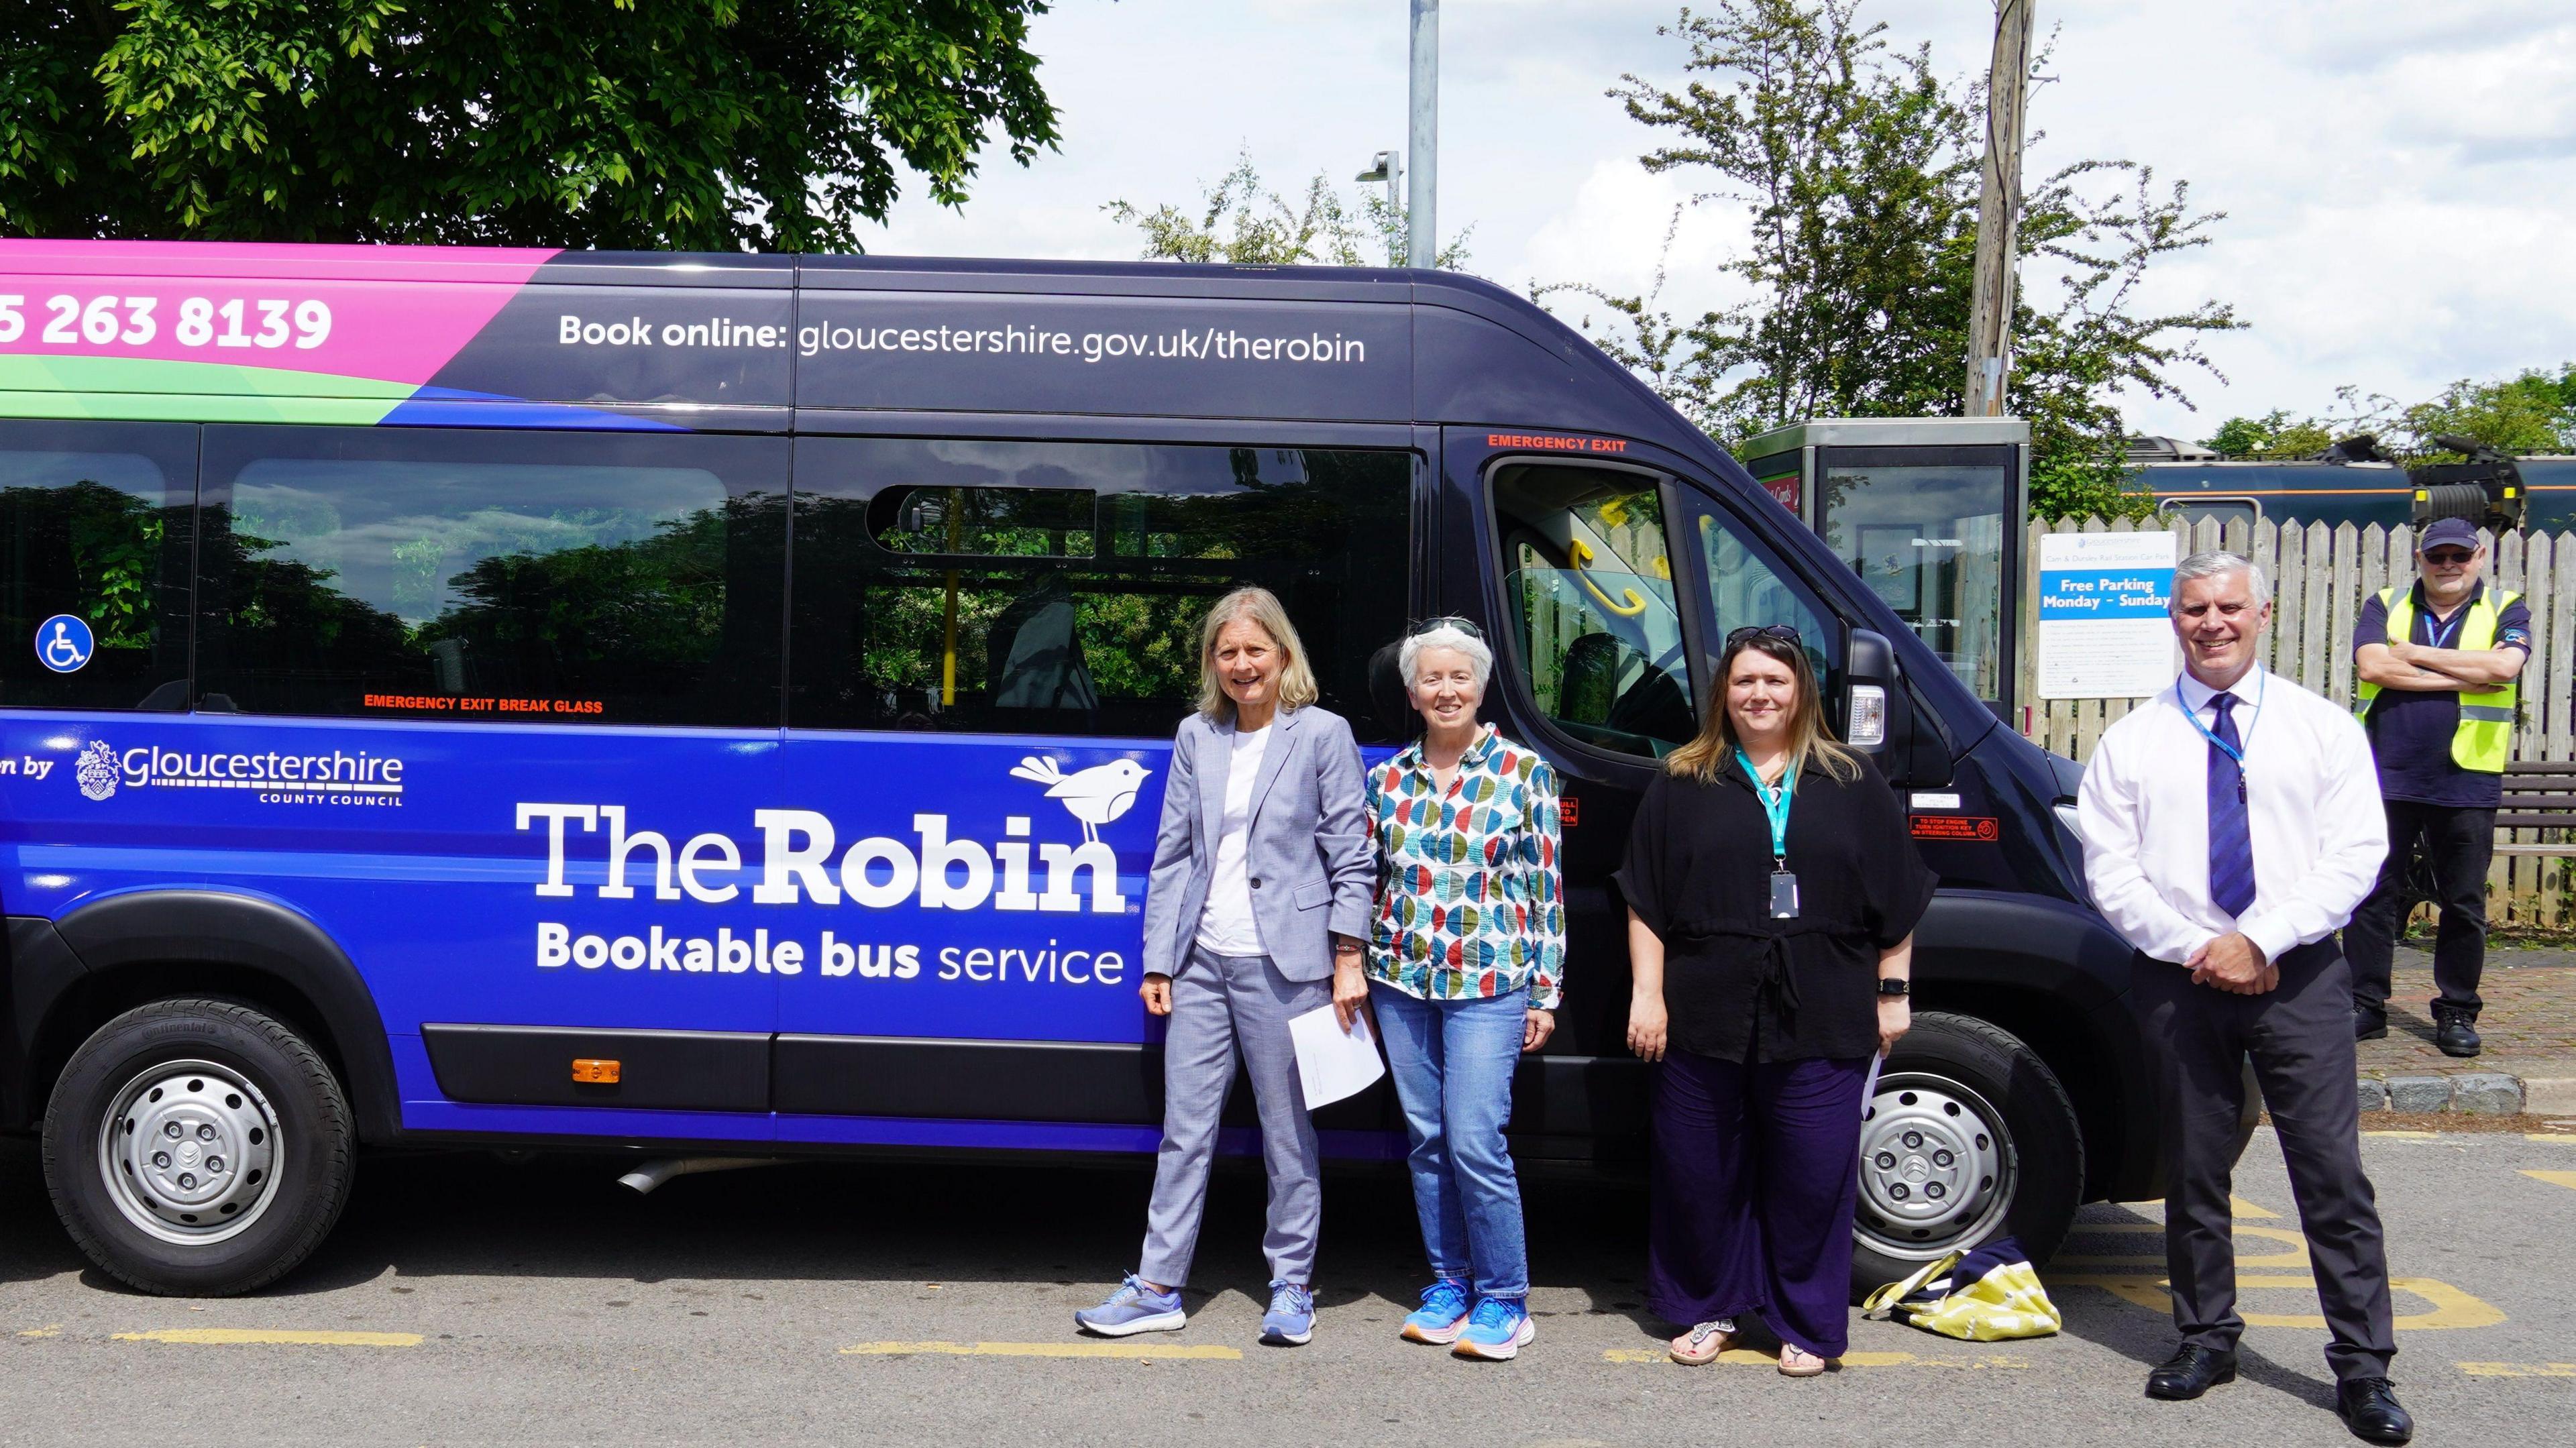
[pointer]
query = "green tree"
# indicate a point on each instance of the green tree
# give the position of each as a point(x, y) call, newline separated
point(1241, 221)
point(2532, 411)
point(1858, 167)
point(689, 124)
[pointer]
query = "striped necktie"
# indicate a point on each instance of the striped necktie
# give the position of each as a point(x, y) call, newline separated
point(2231, 841)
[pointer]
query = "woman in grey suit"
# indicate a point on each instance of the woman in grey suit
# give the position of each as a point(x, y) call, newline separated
point(1254, 914)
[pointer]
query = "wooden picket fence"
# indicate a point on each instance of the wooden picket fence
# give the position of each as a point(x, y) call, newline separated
point(2320, 578)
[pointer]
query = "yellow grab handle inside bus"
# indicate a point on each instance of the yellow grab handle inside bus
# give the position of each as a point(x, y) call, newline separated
point(1582, 556)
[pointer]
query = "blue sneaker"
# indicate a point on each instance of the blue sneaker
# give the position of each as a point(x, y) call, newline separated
point(1442, 1315)
point(1291, 1317)
point(1497, 1330)
point(1133, 1308)
point(1290, 1322)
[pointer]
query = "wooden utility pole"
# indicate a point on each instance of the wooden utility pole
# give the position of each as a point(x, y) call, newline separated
point(1999, 211)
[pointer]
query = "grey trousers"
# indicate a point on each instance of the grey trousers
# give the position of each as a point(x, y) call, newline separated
point(1222, 1004)
point(2300, 1038)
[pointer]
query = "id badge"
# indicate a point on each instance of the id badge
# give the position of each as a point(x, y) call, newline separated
point(1784, 895)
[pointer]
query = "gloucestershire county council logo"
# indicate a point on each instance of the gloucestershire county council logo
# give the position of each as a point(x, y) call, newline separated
point(96, 770)
point(1093, 796)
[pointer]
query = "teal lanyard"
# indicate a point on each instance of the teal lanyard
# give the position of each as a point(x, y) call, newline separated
point(2223, 747)
point(1775, 805)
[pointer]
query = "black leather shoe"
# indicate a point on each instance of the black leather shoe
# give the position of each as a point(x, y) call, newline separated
point(2456, 1034)
point(2368, 1406)
point(2190, 1372)
point(2369, 1023)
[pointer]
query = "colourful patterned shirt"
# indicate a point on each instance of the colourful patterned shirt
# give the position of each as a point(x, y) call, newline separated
point(1470, 901)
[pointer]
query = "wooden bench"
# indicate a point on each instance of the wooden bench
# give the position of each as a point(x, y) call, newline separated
point(2538, 797)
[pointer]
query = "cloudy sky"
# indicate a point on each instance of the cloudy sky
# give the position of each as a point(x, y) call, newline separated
point(2399, 176)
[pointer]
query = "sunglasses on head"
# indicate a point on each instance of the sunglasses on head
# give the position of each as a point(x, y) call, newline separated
point(1765, 631)
point(2449, 556)
point(1463, 626)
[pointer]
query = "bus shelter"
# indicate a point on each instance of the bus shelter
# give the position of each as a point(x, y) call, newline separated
point(1931, 513)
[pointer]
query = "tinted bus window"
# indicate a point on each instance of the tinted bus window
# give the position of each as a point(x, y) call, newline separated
point(492, 576)
point(1018, 587)
point(94, 520)
point(1589, 583)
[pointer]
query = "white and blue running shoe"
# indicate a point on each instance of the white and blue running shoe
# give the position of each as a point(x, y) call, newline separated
point(1290, 1322)
point(1133, 1308)
point(1442, 1316)
point(1497, 1330)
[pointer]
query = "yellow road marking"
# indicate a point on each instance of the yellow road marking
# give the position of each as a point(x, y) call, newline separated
point(2549, 1136)
point(51, 1329)
point(2519, 1370)
point(2554, 1178)
point(2236, 1207)
point(268, 1336)
point(2405, 1135)
point(1747, 1357)
point(1043, 1350)
point(2451, 1308)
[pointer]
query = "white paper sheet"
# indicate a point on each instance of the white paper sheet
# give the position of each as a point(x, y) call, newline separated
point(1332, 1064)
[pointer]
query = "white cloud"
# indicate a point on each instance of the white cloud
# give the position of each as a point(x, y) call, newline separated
point(2399, 177)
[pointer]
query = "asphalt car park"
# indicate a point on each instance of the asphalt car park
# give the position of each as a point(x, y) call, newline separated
point(468, 1298)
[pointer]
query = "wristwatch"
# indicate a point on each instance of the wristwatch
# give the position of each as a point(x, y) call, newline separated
point(1894, 986)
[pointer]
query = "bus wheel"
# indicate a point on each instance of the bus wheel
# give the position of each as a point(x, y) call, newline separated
point(197, 1148)
point(1968, 1137)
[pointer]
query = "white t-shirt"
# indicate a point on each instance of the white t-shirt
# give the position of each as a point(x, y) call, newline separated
point(1226, 925)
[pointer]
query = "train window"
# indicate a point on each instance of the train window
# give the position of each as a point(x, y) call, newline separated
point(488, 576)
point(2189, 512)
point(1019, 587)
point(94, 522)
point(1588, 581)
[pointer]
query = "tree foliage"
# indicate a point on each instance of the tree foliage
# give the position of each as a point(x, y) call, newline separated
point(1240, 220)
point(1857, 165)
point(686, 124)
point(2533, 411)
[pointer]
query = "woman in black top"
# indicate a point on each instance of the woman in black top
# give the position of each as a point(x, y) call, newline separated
point(1759, 955)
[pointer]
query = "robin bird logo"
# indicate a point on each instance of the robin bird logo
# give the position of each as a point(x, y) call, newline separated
point(1093, 796)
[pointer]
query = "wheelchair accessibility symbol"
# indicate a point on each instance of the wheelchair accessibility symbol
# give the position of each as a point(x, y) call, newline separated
point(63, 643)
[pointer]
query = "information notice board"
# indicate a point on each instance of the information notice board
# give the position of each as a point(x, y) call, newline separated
point(2103, 629)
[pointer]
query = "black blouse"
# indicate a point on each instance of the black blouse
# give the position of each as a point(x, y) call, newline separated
point(1739, 985)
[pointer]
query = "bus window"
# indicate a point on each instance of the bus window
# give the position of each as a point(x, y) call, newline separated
point(511, 577)
point(1589, 586)
point(94, 564)
point(1057, 588)
point(1745, 589)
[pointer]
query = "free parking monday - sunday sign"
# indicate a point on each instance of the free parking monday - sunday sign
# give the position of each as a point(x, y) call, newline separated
point(2103, 630)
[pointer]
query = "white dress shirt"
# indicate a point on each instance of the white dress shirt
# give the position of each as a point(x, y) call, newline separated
point(1226, 924)
point(2312, 806)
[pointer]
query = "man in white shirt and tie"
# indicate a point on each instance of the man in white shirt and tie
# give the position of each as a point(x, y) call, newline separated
point(2231, 824)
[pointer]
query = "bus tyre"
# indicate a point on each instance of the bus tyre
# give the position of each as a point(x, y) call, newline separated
point(1968, 1137)
point(197, 1148)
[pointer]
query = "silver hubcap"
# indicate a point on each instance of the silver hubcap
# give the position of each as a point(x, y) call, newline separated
point(190, 1153)
point(1936, 1167)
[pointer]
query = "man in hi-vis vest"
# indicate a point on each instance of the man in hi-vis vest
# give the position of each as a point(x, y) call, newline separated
point(2437, 664)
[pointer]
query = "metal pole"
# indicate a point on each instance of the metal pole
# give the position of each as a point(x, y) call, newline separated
point(1421, 226)
point(1999, 211)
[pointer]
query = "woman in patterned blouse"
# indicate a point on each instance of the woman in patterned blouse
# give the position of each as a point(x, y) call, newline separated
point(1464, 964)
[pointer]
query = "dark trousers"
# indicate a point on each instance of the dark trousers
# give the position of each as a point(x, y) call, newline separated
point(1756, 1175)
point(2460, 844)
point(2300, 1038)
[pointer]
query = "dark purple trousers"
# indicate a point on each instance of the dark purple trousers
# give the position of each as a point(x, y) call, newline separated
point(1756, 1174)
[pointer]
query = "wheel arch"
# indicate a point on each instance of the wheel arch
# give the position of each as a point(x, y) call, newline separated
point(156, 944)
point(2057, 978)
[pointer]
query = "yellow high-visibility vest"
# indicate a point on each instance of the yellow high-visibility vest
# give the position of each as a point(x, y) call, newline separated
point(2484, 740)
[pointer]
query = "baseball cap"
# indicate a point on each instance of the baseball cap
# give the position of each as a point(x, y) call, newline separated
point(2455, 532)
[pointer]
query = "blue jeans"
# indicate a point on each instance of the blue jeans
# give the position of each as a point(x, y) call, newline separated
point(1452, 1061)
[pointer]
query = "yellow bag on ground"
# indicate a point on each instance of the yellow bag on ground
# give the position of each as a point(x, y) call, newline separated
point(1991, 1294)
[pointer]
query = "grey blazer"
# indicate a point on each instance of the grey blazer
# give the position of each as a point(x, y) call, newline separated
point(1313, 870)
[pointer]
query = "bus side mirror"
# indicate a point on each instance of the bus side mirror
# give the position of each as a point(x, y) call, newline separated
point(1870, 690)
